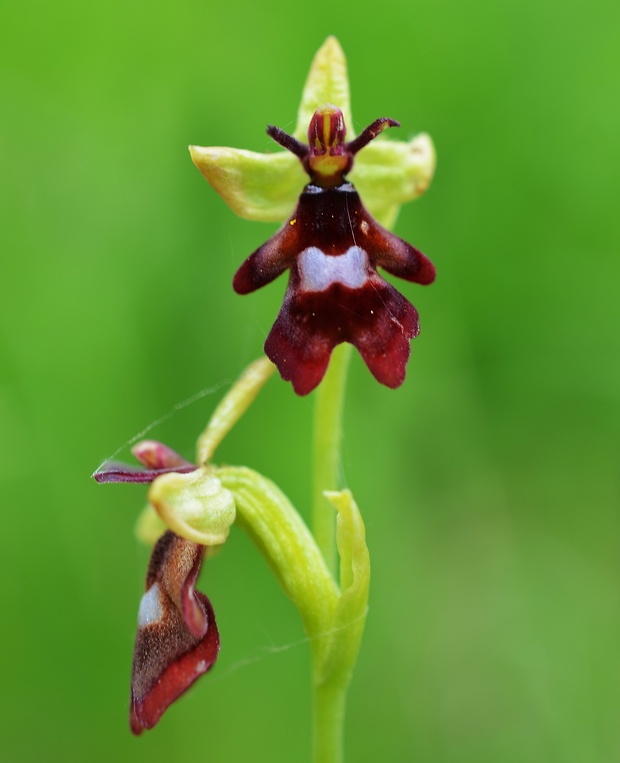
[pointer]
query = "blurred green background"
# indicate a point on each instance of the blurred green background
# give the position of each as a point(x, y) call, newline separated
point(488, 482)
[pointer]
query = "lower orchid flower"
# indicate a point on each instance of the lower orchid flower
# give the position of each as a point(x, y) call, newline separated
point(177, 639)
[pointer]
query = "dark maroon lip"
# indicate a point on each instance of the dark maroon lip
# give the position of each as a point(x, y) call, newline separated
point(328, 302)
point(177, 639)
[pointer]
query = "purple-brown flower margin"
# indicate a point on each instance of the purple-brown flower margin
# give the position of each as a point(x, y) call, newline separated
point(177, 639)
point(332, 247)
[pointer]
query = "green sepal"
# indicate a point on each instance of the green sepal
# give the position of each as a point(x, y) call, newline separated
point(262, 187)
point(265, 187)
point(327, 82)
point(232, 407)
point(389, 173)
point(195, 506)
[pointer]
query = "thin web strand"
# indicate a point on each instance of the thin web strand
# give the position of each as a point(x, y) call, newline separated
point(269, 651)
point(166, 417)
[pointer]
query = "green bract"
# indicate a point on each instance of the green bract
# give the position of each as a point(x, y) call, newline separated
point(333, 616)
point(349, 615)
point(266, 186)
point(232, 407)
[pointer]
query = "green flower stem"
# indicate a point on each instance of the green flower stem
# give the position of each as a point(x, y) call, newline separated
point(333, 675)
point(326, 451)
point(328, 707)
point(333, 619)
point(306, 565)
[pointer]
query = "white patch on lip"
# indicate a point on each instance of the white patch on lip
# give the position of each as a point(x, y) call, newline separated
point(319, 270)
point(150, 608)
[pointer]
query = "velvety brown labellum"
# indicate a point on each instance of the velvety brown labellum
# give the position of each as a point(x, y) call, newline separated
point(333, 246)
point(177, 639)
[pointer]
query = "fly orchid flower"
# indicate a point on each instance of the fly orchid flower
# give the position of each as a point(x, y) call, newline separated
point(333, 246)
point(330, 243)
point(177, 639)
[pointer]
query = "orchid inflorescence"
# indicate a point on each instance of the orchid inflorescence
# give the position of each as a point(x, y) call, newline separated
point(332, 246)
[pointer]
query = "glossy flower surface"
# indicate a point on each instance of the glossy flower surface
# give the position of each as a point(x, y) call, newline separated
point(332, 247)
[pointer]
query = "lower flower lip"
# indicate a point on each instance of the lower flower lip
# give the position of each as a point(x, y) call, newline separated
point(375, 318)
point(177, 639)
point(177, 678)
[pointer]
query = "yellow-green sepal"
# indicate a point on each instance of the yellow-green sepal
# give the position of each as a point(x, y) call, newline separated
point(194, 506)
point(255, 186)
point(327, 82)
point(265, 187)
point(388, 173)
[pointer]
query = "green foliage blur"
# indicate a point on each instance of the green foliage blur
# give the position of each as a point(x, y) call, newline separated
point(488, 482)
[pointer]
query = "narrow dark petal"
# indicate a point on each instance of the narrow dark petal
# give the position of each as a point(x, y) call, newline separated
point(287, 141)
point(374, 317)
point(370, 133)
point(177, 639)
point(270, 260)
point(114, 471)
point(393, 254)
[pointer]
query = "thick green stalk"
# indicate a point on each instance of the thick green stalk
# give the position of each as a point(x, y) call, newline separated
point(307, 566)
point(326, 451)
point(333, 618)
point(328, 707)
